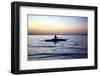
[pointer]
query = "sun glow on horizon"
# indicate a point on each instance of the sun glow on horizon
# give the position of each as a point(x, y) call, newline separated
point(39, 24)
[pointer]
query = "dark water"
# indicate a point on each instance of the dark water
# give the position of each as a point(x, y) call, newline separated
point(74, 48)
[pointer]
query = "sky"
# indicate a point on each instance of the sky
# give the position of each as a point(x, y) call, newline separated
point(49, 24)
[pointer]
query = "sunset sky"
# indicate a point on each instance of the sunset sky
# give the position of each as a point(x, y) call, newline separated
point(46, 24)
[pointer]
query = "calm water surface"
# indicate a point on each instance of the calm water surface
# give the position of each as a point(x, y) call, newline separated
point(73, 48)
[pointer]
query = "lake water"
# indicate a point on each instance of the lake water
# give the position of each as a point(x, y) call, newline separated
point(73, 48)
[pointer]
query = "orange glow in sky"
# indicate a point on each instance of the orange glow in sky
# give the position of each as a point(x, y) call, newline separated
point(38, 24)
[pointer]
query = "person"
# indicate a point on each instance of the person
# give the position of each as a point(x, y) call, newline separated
point(55, 37)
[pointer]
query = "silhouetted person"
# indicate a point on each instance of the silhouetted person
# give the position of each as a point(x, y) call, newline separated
point(55, 37)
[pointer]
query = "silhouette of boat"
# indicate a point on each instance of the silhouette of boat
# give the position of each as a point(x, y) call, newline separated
point(55, 39)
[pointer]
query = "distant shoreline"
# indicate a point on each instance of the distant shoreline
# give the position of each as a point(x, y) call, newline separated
point(58, 34)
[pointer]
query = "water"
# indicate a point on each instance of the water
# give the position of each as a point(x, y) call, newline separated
point(73, 48)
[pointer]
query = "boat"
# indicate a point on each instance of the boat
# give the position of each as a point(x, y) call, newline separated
point(55, 39)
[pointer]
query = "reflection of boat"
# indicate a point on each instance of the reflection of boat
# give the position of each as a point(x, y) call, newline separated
point(55, 39)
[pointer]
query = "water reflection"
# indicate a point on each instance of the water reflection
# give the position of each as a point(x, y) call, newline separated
point(73, 48)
